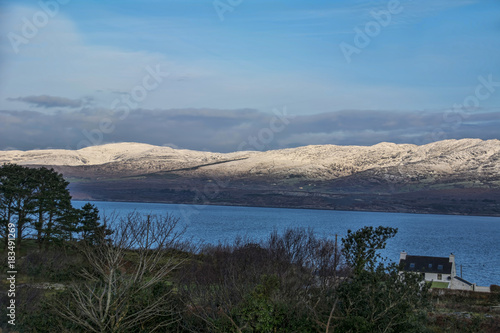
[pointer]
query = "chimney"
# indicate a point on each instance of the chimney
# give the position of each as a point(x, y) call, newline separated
point(452, 257)
point(402, 256)
point(453, 268)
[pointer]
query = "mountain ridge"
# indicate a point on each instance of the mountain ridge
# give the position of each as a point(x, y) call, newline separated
point(453, 174)
point(313, 161)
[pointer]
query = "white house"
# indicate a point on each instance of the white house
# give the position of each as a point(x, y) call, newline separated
point(438, 269)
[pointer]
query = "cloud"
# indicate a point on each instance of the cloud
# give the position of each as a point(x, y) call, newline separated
point(46, 101)
point(231, 130)
point(107, 57)
point(65, 65)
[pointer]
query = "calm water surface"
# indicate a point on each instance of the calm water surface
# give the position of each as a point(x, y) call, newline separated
point(474, 240)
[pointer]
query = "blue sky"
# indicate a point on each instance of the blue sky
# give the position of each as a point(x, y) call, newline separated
point(262, 55)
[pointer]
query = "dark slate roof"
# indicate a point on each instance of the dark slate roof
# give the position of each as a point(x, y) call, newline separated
point(424, 264)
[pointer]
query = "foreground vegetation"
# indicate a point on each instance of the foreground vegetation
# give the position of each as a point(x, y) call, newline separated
point(144, 279)
point(76, 275)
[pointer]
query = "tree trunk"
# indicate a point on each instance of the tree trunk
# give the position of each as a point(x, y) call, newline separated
point(20, 224)
point(39, 228)
point(48, 231)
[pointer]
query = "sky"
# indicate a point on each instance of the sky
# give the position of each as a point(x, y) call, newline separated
point(227, 75)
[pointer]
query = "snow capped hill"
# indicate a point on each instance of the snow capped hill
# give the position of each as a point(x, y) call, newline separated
point(312, 162)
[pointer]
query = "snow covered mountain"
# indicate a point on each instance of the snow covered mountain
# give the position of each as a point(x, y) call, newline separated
point(451, 170)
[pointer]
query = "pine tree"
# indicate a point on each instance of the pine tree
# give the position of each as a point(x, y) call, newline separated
point(7, 194)
point(89, 226)
point(53, 206)
point(17, 198)
point(38, 202)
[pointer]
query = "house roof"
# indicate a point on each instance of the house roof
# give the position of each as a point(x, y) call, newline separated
point(462, 280)
point(424, 264)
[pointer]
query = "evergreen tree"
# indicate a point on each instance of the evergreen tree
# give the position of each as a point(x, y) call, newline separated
point(7, 193)
point(360, 247)
point(89, 227)
point(53, 205)
point(37, 201)
point(378, 297)
point(17, 192)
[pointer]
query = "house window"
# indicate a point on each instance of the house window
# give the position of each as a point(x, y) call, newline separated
point(430, 265)
point(440, 276)
point(412, 265)
point(440, 267)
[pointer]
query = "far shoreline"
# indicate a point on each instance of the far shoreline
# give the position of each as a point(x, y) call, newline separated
point(284, 207)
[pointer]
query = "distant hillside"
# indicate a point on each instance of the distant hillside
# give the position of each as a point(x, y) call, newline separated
point(451, 176)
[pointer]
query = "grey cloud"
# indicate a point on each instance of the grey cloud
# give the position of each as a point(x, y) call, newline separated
point(230, 130)
point(46, 101)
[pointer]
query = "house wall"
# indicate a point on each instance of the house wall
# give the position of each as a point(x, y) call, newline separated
point(482, 289)
point(457, 284)
point(434, 277)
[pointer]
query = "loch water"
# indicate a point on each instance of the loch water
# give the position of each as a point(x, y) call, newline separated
point(475, 240)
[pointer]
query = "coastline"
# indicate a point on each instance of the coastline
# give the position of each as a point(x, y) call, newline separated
point(228, 204)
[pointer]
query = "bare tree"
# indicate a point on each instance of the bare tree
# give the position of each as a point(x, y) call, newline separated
point(252, 287)
point(125, 269)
